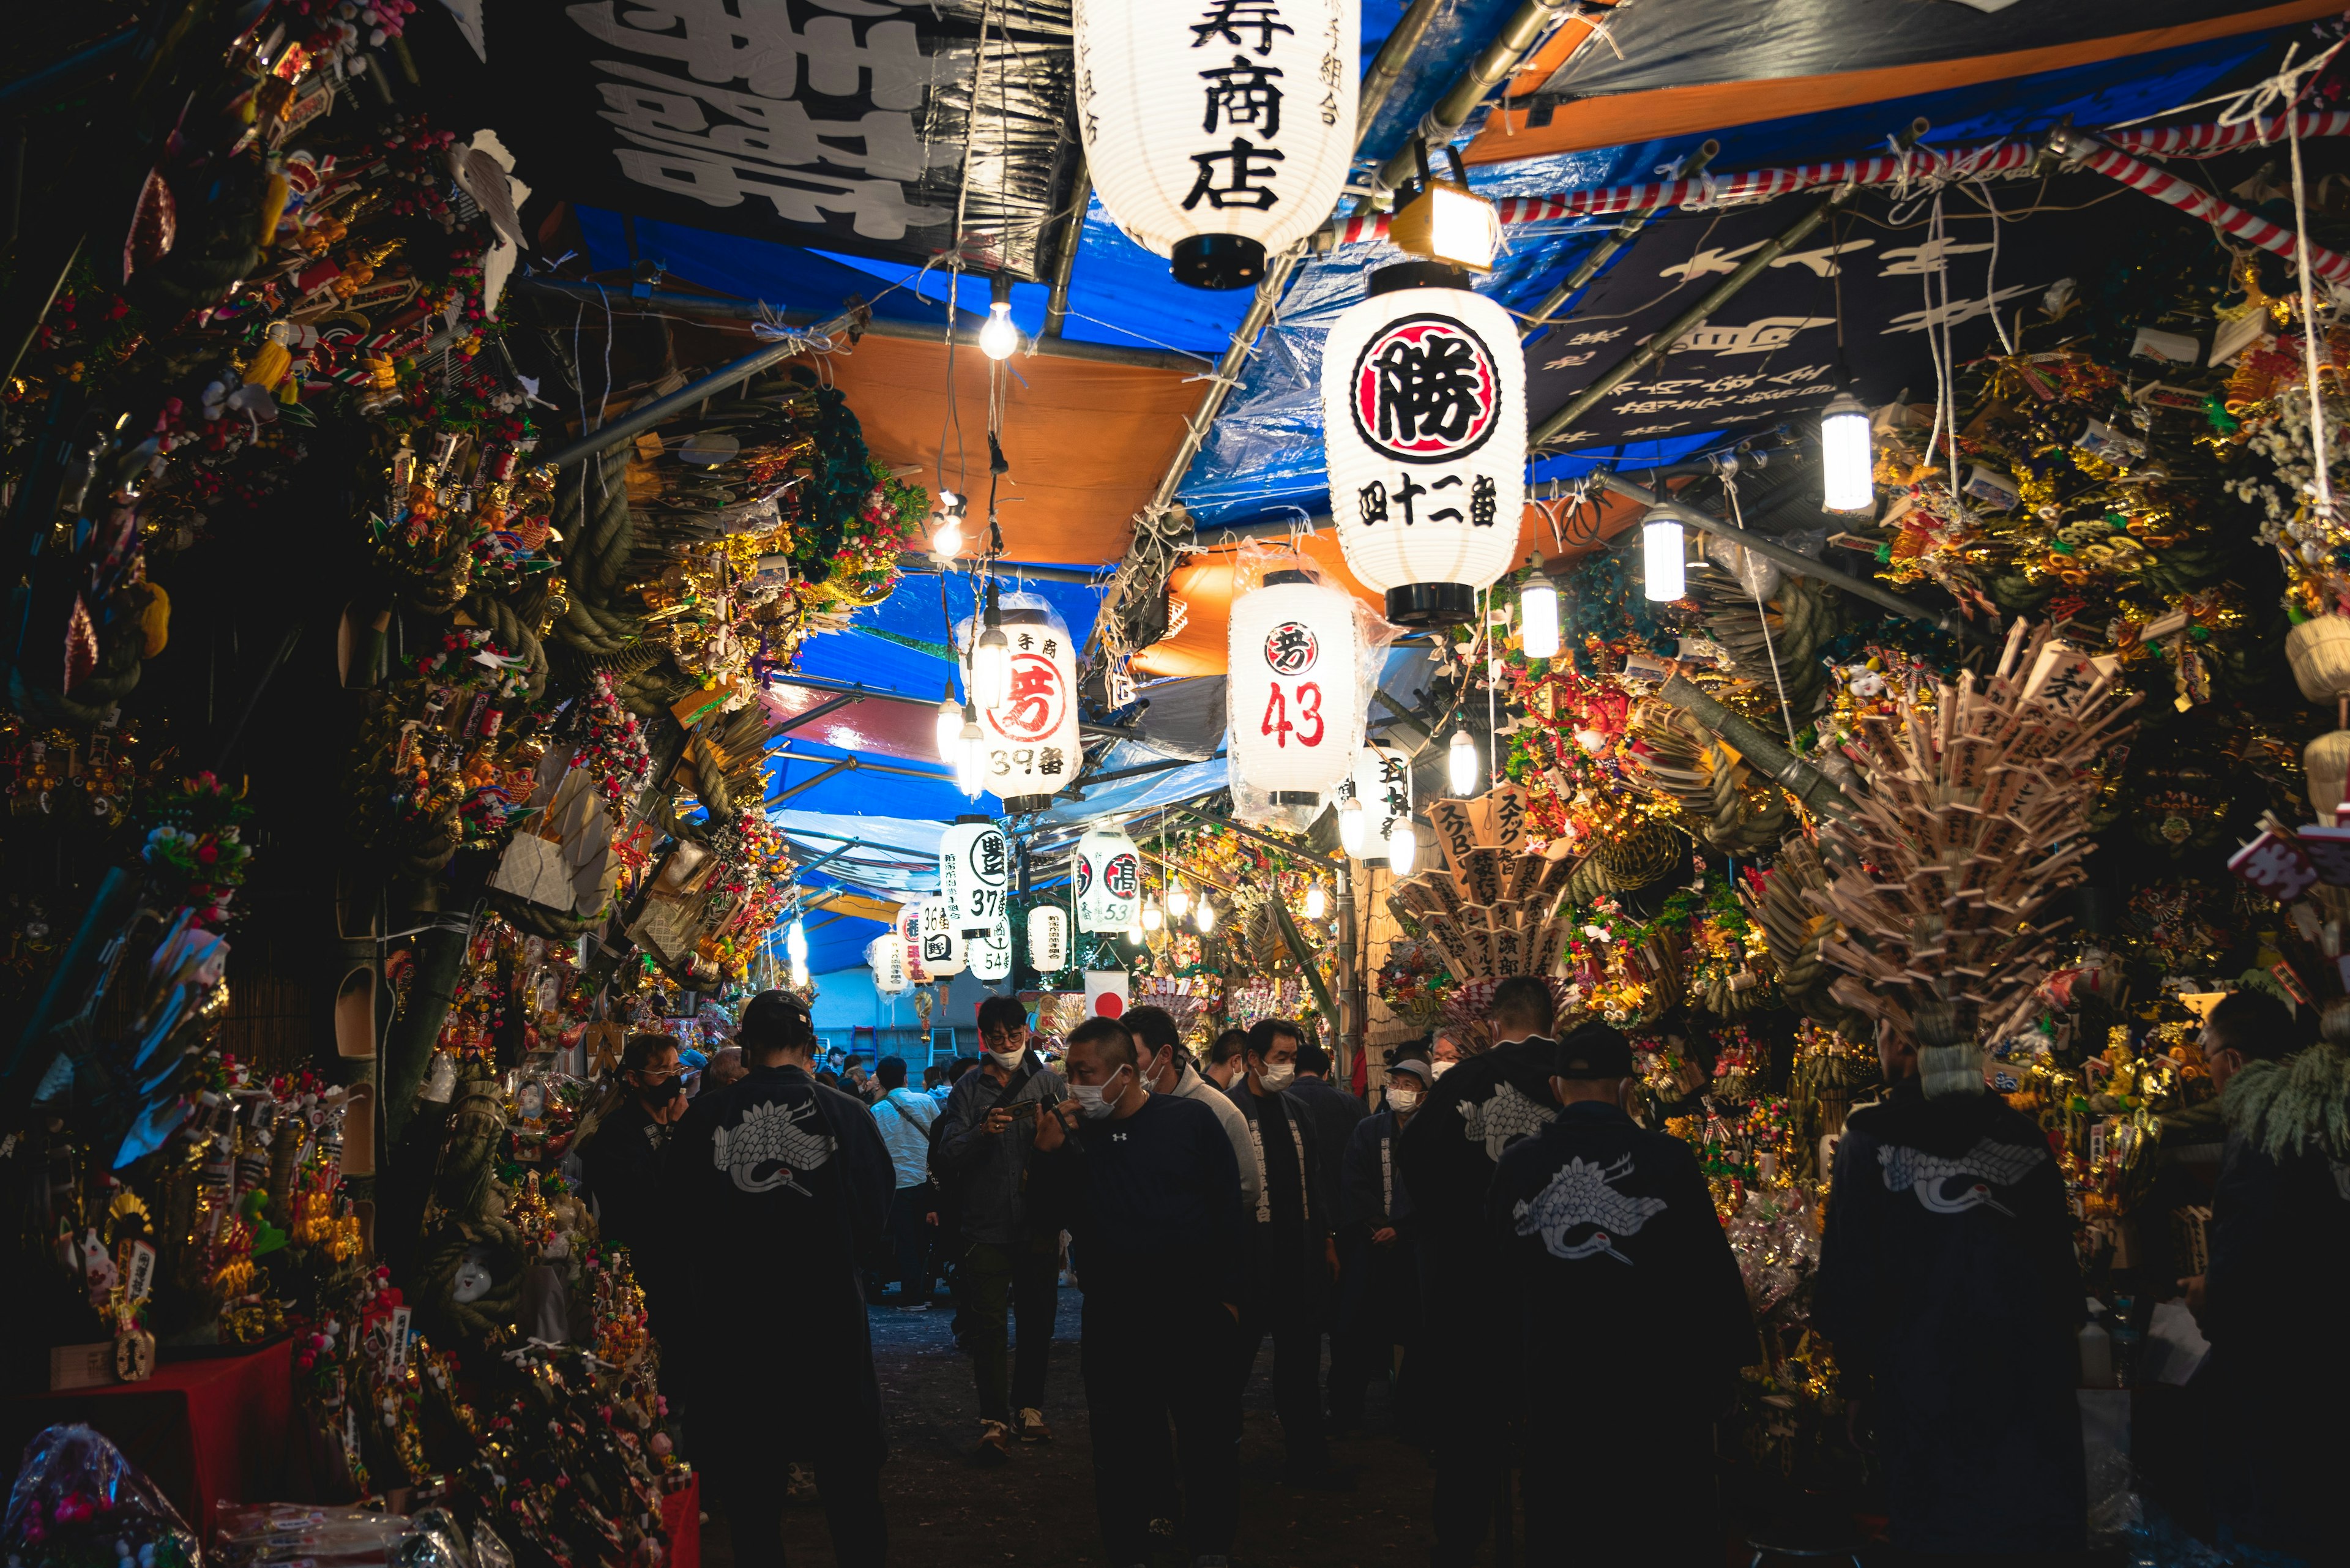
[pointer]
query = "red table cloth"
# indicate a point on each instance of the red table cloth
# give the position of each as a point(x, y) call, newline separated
point(681, 1517)
point(209, 1431)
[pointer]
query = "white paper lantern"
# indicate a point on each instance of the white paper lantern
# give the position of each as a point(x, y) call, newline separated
point(944, 948)
point(974, 873)
point(1219, 132)
point(909, 939)
point(1383, 784)
point(1294, 696)
point(886, 956)
point(1048, 938)
point(1424, 416)
point(1030, 735)
point(991, 954)
point(1109, 880)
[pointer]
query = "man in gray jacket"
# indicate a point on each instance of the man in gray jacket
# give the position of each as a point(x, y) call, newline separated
point(1166, 1069)
point(1011, 1250)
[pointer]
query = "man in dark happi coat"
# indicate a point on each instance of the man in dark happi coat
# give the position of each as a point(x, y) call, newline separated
point(1947, 1275)
point(782, 1186)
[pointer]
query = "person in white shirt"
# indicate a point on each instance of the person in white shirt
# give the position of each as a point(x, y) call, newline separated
point(904, 1116)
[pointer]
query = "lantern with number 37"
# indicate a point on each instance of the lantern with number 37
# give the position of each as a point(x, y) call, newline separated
point(1294, 696)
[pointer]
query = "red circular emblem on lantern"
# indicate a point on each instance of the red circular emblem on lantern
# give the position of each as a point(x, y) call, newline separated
point(1122, 877)
point(1035, 703)
point(1291, 648)
point(1425, 389)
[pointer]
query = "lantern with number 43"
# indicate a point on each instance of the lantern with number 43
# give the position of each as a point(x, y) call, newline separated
point(1294, 696)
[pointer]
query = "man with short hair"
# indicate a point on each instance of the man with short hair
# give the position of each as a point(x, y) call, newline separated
point(1948, 1277)
point(1473, 1112)
point(1155, 1209)
point(1293, 1259)
point(1379, 1255)
point(1608, 1242)
point(1167, 1070)
point(779, 1185)
point(1224, 1067)
point(1334, 1113)
point(904, 1117)
point(1010, 1246)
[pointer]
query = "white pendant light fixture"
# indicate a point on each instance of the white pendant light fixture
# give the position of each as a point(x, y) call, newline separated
point(1461, 763)
point(1178, 901)
point(1848, 480)
point(1538, 617)
point(1316, 902)
point(1662, 544)
point(1153, 917)
point(998, 338)
point(1032, 746)
point(1403, 848)
point(1218, 135)
point(1351, 829)
point(969, 754)
point(1109, 880)
point(1204, 915)
point(974, 873)
point(1294, 697)
point(1048, 938)
point(990, 656)
point(946, 526)
point(796, 940)
point(950, 726)
point(799, 974)
point(1424, 419)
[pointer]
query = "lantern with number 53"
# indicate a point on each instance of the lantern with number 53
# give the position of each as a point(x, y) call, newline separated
point(1294, 698)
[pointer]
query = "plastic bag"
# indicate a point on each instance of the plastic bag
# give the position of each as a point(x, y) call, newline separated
point(264, 1533)
point(76, 1500)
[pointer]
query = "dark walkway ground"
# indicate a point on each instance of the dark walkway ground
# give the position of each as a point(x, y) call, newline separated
point(1038, 1512)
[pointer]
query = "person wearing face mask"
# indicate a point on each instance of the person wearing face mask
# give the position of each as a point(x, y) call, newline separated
point(1606, 1240)
point(1167, 1070)
point(1225, 1067)
point(1378, 1259)
point(620, 1157)
point(1009, 1267)
point(1444, 1053)
point(1293, 1259)
point(1151, 1188)
point(1483, 1104)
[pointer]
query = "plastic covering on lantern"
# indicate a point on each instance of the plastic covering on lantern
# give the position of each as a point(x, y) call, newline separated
point(1032, 737)
point(1304, 656)
point(1109, 880)
point(886, 956)
point(945, 948)
point(1048, 938)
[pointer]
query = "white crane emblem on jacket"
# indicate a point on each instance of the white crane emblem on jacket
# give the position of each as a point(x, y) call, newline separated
point(1501, 1121)
point(1987, 1164)
point(770, 1139)
point(1584, 1193)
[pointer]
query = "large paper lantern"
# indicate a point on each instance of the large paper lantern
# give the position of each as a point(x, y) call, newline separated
point(886, 955)
point(974, 872)
point(1031, 736)
point(944, 948)
point(910, 934)
point(990, 951)
point(1218, 132)
point(1424, 415)
point(1109, 880)
point(1383, 784)
point(1048, 938)
point(1295, 697)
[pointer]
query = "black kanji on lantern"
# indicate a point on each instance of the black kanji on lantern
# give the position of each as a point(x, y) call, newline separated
point(1448, 514)
point(1049, 761)
point(1243, 158)
point(1483, 502)
point(1243, 94)
point(1431, 388)
point(1373, 498)
point(1228, 19)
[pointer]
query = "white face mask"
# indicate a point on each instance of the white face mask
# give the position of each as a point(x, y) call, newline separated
point(1008, 1060)
point(1438, 1069)
point(1403, 1099)
point(1277, 1078)
point(1096, 1101)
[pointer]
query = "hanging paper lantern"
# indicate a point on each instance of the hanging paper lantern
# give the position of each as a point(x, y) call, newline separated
point(1295, 698)
point(1109, 880)
point(1048, 938)
point(1383, 784)
point(909, 938)
point(1218, 133)
point(886, 955)
point(1424, 415)
point(1030, 735)
point(974, 872)
point(944, 950)
point(991, 952)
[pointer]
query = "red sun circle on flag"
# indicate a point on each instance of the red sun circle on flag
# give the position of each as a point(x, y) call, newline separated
point(1109, 1005)
point(1425, 389)
point(1035, 703)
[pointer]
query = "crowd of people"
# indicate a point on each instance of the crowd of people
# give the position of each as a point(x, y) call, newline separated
point(1540, 1281)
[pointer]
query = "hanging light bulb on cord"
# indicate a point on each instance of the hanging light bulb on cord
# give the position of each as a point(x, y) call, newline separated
point(1538, 617)
point(1461, 761)
point(946, 532)
point(999, 338)
point(991, 659)
point(1847, 481)
point(1403, 846)
point(796, 940)
point(1662, 544)
point(1204, 916)
point(1354, 821)
point(969, 754)
point(1179, 902)
point(950, 725)
point(1153, 917)
point(1316, 902)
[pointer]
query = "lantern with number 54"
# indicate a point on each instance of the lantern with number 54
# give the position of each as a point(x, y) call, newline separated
point(1294, 698)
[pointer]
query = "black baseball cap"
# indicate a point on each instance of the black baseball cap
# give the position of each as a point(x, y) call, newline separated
point(1593, 1050)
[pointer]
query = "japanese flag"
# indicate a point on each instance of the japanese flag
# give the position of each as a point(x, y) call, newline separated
point(1106, 993)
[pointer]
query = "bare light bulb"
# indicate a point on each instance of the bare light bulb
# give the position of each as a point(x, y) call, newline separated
point(1204, 916)
point(1848, 483)
point(1153, 917)
point(970, 753)
point(950, 726)
point(1316, 902)
point(1353, 822)
point(999, 338)
point(991, 661)
point(795, 942)
point(1460, 762)
point(799, 975)
point(1403, 846)
point(1662, 542)
point(1538, 619)
point(1179, 902)
point(1134, 932)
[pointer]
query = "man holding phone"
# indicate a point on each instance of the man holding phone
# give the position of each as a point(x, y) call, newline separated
point(1010, 1246)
